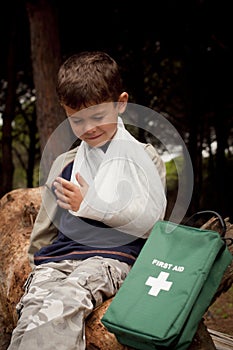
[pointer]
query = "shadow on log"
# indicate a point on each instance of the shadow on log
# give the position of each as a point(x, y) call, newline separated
point(18, 210)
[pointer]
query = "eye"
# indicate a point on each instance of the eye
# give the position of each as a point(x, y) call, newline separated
point(76, 121)
point(98, 117)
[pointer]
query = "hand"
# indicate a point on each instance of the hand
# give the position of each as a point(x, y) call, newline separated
point(69, 195)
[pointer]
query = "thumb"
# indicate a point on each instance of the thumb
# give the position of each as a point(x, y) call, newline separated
point(80, 180)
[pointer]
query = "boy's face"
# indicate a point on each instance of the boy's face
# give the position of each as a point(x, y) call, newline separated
point(96, 124)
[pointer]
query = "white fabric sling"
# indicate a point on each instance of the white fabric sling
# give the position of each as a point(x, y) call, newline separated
point(125, 189)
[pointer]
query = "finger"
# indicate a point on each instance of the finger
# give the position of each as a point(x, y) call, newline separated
point(58, 186)
point(65, 184)
point(63, 205)
point(61, 196)
point(61, 193)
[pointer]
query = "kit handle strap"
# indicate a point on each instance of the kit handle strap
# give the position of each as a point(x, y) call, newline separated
point(192, 218)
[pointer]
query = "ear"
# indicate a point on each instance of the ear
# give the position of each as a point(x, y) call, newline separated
point(122, 102)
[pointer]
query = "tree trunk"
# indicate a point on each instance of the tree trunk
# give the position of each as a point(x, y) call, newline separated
point(46, 58)
point(7, 172)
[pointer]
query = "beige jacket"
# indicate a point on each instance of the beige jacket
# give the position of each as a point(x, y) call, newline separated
point(45, 228)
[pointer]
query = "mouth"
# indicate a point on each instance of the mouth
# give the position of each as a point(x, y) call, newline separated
point(93, 137)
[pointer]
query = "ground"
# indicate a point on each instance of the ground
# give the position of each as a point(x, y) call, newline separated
point(219, 316)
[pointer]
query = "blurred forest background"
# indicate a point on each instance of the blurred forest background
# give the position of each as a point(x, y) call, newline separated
point(176, 58)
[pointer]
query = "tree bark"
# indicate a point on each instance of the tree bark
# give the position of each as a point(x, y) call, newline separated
point(7, 172)
point(46, 58)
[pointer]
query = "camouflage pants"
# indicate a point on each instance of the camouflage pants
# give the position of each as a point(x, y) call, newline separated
point(58, 298)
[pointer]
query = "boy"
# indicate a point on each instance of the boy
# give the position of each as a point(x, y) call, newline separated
point(99, 204)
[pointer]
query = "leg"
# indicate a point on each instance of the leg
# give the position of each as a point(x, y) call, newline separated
point(55, 310)
point(44, 278)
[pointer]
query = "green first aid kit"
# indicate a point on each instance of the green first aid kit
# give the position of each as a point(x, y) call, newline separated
point(169, 288)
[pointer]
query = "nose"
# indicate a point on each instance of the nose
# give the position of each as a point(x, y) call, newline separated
point(89, 128)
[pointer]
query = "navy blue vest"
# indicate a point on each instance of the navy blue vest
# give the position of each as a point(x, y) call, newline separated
point(81, 238)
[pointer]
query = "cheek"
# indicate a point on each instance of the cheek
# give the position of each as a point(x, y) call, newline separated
point(110, 129)
point(76, 130)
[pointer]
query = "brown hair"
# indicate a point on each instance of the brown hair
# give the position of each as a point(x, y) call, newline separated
point(88, 78)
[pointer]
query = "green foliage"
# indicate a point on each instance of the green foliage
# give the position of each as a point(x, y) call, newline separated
point(25, 144)
point(172, 168)
point(25, 138)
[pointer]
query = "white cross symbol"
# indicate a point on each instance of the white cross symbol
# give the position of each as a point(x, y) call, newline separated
point(158, 284)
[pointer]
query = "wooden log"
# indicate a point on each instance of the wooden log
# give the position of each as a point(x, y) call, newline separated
point(18, 210)
point(222, 341)
point(227, 280)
